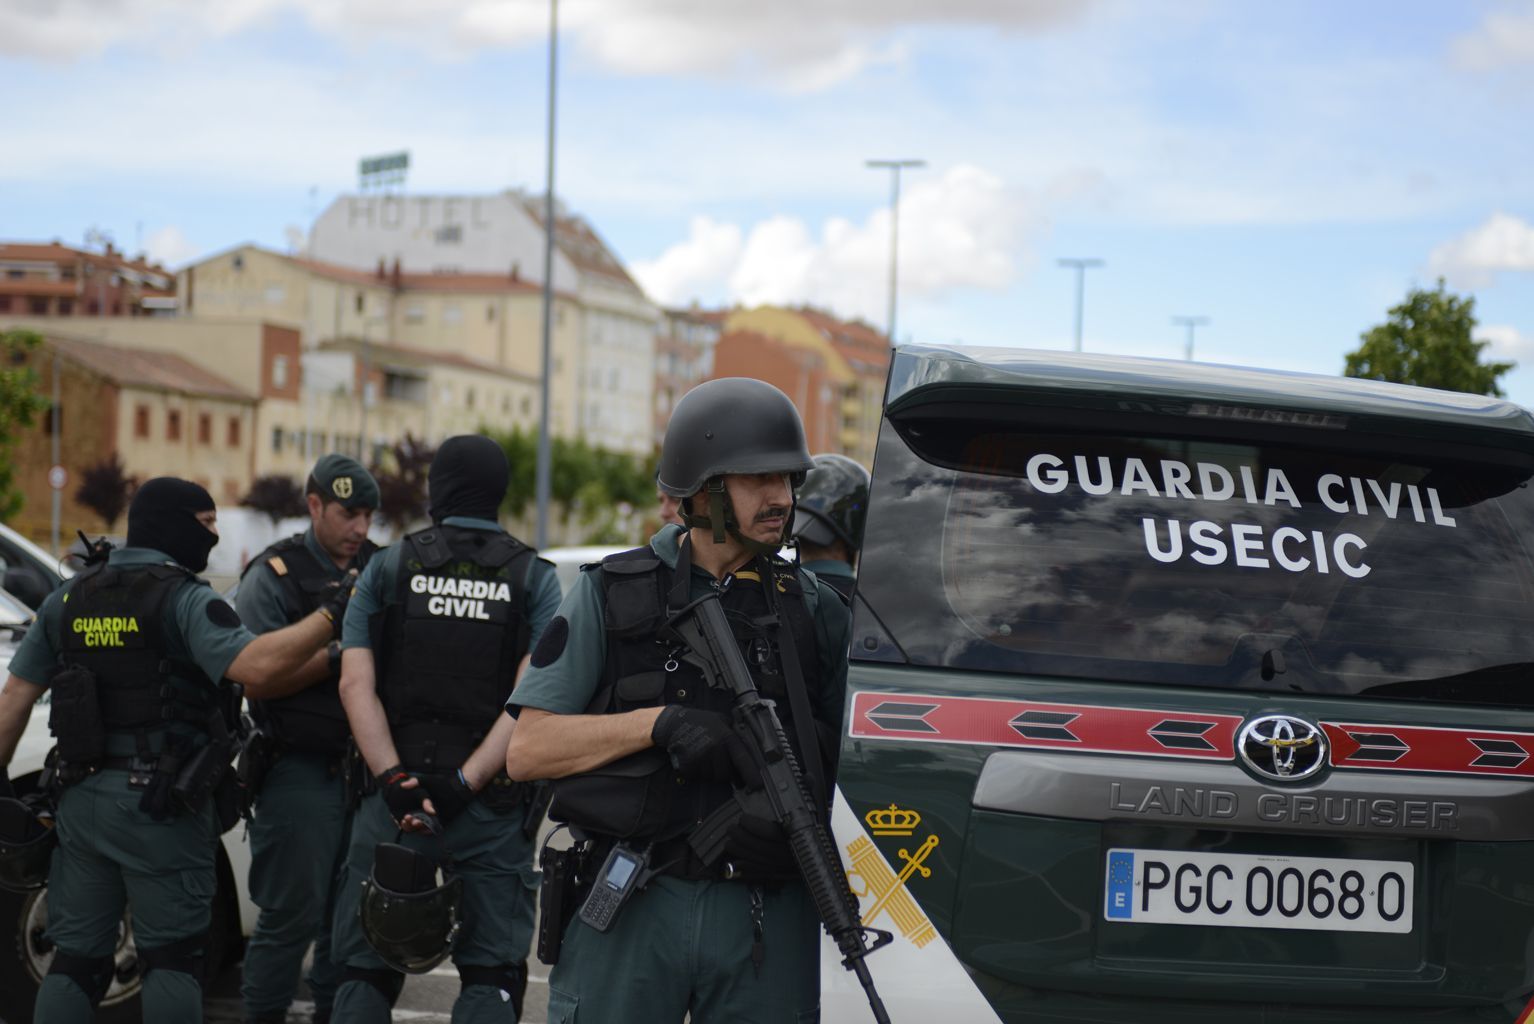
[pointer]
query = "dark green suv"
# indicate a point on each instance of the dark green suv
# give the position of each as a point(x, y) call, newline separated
point(1213, 689)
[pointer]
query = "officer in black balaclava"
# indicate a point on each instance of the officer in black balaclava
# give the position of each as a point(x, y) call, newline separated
point(175, 516)
point(135, 651)
point(441, 627)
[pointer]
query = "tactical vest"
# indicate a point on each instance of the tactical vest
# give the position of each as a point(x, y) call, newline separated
point(644, 670)
point(311, 719)
point(114, 626)
point(451, 640)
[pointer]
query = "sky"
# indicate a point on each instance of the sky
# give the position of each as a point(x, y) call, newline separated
point(1288, 170)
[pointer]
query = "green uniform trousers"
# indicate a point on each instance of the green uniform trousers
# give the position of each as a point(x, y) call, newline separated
point(488, 851)
point(110, 855)
point(297, 852)
point(681, 948)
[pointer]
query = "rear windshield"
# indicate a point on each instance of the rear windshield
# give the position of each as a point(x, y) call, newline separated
point(1191, 562)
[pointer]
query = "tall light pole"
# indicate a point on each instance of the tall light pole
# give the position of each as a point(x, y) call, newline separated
point(894, 167)
point(1082, 264)
point(542, 485)
point(1190, 322)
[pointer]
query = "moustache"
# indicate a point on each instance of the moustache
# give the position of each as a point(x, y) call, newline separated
point(772, 512)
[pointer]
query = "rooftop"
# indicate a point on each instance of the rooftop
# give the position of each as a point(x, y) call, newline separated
point(145, 368)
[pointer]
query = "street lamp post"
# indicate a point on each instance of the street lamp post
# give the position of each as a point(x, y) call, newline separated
point(1082, 264)
point(1190, 322)
point(542, 473)
point(894, 167)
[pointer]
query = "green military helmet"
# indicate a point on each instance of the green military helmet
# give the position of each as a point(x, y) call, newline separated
point(832, 503)
point(410, 921)
point(729, 425)
point(26, 847)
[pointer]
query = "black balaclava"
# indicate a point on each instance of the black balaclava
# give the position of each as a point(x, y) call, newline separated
point(468, 477)
point(163, 516)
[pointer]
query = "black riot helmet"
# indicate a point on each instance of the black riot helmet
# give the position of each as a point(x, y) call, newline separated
point(26, 847)
point(833, 504)
point(729, 425)
point(409, 919)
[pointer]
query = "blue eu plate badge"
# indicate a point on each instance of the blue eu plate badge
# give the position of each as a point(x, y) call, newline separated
point(1121, 884)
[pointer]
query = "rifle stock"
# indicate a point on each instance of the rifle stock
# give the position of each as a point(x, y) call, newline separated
point(702, 626)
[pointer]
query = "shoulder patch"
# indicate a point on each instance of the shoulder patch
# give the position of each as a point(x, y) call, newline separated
point(552, 644)
point(220, 614)
point(277, 565)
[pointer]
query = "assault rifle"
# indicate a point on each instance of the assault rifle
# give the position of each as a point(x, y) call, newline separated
point(703, 628)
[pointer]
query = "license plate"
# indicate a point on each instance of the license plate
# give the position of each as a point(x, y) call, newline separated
point(1236, 890)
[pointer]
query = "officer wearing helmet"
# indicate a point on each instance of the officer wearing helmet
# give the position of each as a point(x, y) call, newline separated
point(437, 632)
point(134, 651)
point(294, 764)
point(641, 750)
point(828, 520)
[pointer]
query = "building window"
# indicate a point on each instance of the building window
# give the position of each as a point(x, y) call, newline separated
point(450, 234)
point(276, 440)
point(527, 405)
point(489, 314)
point(204, 428)
point(49, 416)
point(5, 303)
point(276, 295)
point(452, 313)
point(469, 399)
point(279, 372)
point(38, 306)
point(66, 307)
point(141, 421)
point(415, 313)
point(173, 425)
point(359, 302)
point(15, 275)
point(233, 434)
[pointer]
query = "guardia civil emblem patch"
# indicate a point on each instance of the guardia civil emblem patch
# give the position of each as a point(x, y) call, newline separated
point(341, 487)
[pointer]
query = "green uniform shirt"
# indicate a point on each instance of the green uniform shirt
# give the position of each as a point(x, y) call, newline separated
point(379, 583)
point(265, 601)
point(196, 632)
point(567, 684)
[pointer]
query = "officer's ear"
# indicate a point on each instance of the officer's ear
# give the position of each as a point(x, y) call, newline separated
point(316, 504)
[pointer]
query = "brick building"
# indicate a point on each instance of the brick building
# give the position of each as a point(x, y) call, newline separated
point(684, 357)
point(160, 412)
point(55, 280)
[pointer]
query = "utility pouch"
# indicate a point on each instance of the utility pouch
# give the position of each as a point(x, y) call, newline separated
point(256, 756)
point(502, 795)
point(558, 899)
point(630, 798)
point(201, 773)
point(74, 716)
point(230, 803)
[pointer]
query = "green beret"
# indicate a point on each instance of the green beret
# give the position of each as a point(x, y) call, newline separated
point(343, 479)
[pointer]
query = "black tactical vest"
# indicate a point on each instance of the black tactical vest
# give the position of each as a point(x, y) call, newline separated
point(114, 625)
point(450, 641)
point(311, 719)
point(644, 670)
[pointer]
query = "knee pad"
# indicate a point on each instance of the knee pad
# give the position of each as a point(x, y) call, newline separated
point(183, 955)
point(387, 983)
point(511, 979)
point(92, 973)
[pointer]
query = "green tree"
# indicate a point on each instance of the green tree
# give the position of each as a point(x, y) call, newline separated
point(20, 402)
point(276, 495)
point(105, 488)
point(584, 480)
point(402, 481)
point(1427, 341)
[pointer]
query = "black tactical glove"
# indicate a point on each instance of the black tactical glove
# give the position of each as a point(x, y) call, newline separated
point(403, 802)
point(334, 605)
point(450, 794)
point(702, 744)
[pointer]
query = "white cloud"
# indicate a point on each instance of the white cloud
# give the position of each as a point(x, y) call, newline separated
point(962, 230)
point(1503, 38)
point(170, 246)
point(1507, 342)
point(709, 37)
point(697, 268)
point(1473, 259)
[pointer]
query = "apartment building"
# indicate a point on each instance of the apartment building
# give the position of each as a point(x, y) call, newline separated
point(55, 280)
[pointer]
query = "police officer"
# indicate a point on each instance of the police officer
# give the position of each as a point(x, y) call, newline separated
point(134, 650)
point(734, 938)
point(828, 520)
point(298, 835)
point(439, 628)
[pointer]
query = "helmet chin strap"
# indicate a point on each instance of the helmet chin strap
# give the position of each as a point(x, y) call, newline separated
point(721, 520)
